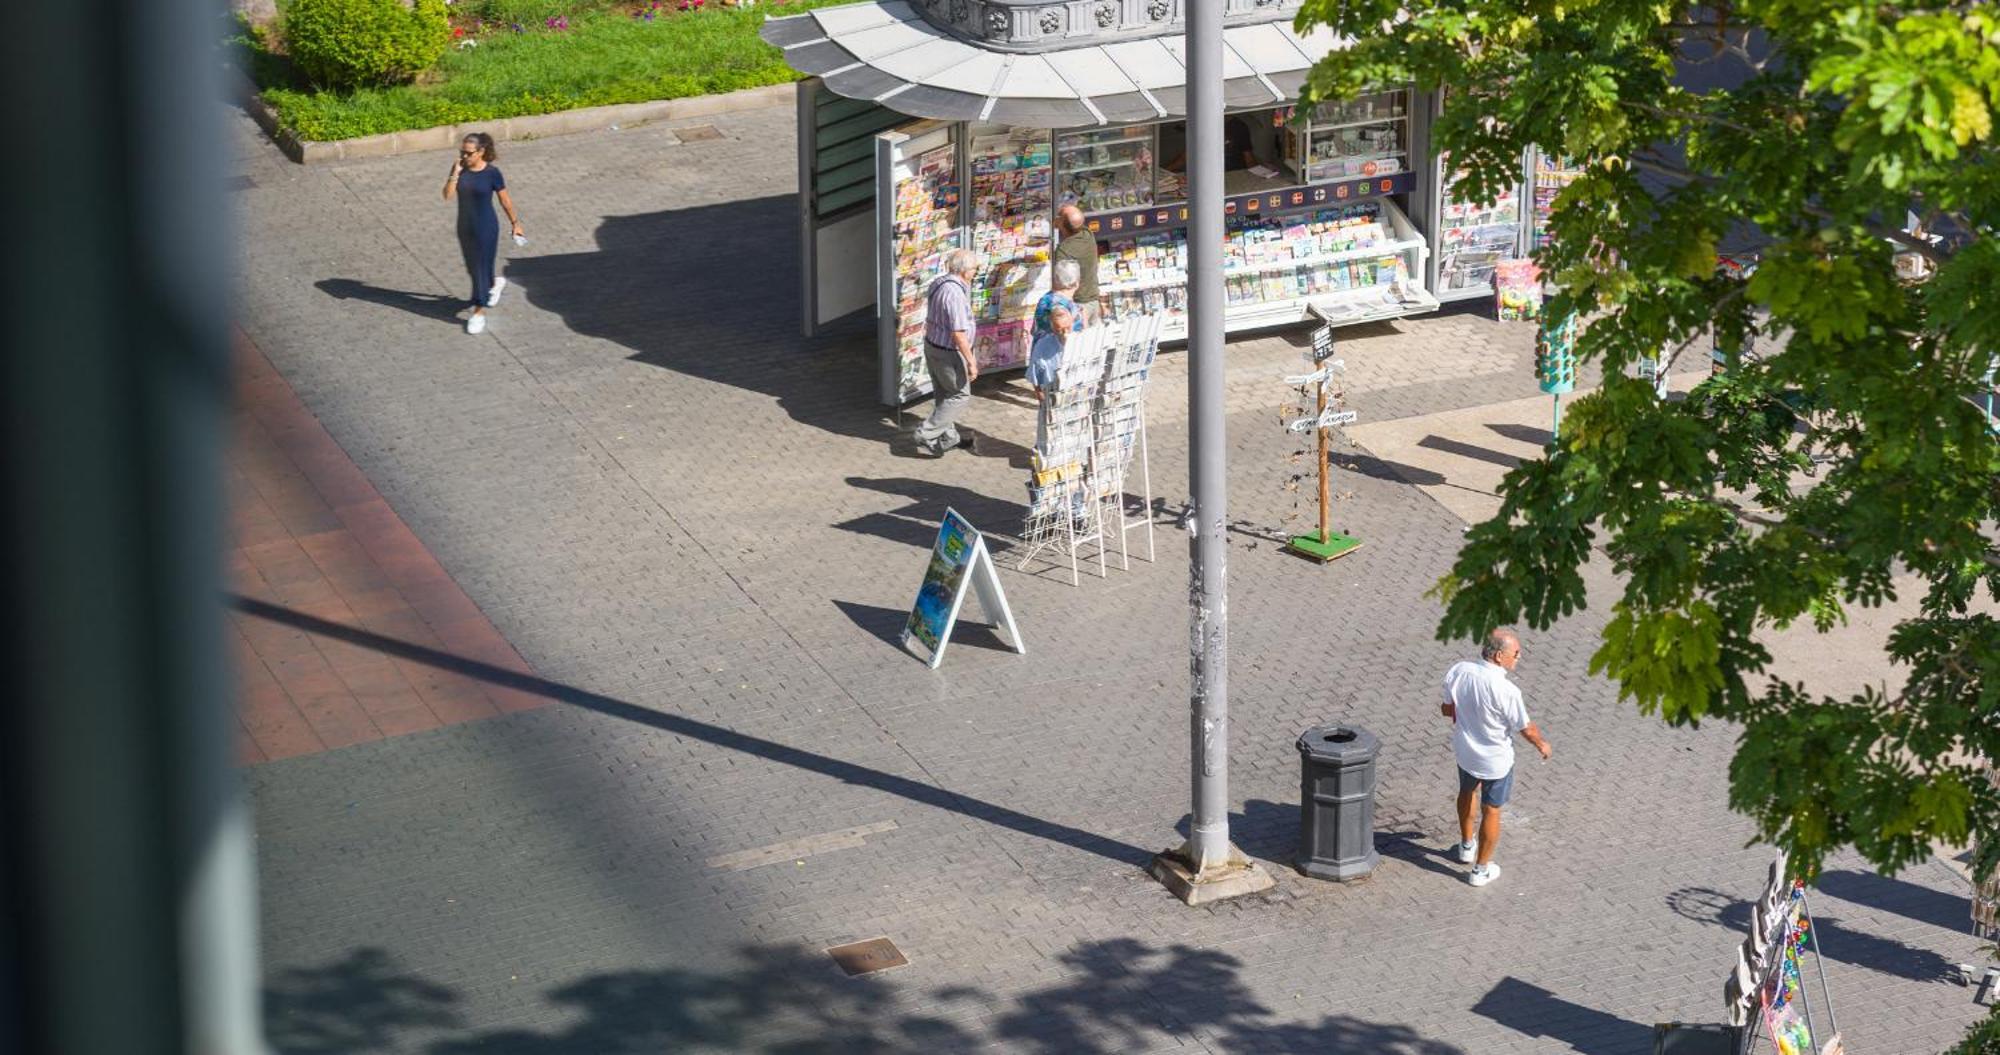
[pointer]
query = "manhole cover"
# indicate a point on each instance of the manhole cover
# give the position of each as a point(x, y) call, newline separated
point(863, 957)
point(695, 133)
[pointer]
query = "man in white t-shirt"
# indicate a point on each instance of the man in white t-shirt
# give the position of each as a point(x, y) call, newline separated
point(1486, 711)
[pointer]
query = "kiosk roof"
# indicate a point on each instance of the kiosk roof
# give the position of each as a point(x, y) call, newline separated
point(885, 52)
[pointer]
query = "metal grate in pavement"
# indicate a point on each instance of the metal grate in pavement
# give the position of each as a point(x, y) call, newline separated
point(866, 957)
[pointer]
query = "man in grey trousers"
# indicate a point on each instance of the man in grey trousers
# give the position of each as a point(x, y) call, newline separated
point(948, 332)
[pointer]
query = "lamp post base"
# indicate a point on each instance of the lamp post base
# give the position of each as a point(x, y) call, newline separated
point(1233, 878)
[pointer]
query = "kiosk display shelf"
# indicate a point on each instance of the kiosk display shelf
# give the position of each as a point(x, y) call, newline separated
point(1355, 262)
point(918, 192)
point(1012, 202)
point(1369, 136)
point(1107, 168)
point(1473, 239)
point(1552, 173)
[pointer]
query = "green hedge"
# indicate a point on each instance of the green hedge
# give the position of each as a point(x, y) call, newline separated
point(343, 44)
point(603, 58)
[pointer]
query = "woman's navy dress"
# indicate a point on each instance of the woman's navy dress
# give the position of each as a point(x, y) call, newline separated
point(479, 227)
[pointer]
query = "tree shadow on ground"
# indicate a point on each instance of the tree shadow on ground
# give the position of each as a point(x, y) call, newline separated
point(360, 1003)
point(1118, 995)
point(1831, 938)
point(1535, 1011)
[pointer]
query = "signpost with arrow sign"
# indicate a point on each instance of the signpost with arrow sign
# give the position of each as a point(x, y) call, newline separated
point(1326, 544)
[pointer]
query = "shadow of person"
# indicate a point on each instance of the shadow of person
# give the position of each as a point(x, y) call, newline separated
point(428, 305)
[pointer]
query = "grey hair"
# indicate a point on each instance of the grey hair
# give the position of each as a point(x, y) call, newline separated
point(960, 261)
point(1497, 642)
point(1065, 274)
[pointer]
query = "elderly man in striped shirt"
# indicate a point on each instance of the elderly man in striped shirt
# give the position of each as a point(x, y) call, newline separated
point(948, 352)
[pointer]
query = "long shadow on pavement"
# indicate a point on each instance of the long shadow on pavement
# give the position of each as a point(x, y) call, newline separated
point(1831, 938)
point(925, 794)
point(427, 305)
point(1935, 907)
point(1535, 1011)
point(1120, 995)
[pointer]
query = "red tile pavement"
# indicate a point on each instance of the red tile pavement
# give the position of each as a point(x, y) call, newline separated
point(308, 533)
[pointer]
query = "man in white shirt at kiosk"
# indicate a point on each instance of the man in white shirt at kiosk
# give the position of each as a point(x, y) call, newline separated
point(1486, 711)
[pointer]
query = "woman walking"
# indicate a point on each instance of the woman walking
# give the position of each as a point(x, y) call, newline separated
point(475, 181)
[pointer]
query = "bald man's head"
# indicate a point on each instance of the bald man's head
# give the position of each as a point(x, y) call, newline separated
point(1071, 219)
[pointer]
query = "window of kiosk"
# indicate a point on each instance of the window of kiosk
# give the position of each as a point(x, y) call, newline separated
point(1106, 169)
point(1252, 159)
point(1354, 139)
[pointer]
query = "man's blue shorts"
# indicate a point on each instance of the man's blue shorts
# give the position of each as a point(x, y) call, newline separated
point(1494, 793)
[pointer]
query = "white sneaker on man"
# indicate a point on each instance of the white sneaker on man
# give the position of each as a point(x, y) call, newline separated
point(1467, 853)
point(1484, 874)
point(493, 296)
point(476, 324)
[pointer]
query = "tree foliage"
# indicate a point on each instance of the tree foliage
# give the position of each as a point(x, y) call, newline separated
point(1809, 478)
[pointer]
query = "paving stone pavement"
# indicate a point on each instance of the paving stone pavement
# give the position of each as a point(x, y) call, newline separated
point(702, 535)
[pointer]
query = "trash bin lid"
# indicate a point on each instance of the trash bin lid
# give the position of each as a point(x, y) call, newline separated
point(1340, 744)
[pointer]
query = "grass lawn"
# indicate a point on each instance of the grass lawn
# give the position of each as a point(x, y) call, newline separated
point(603, 57)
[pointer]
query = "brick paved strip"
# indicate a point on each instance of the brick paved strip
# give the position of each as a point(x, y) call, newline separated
point(799, 849)
point(310, 536)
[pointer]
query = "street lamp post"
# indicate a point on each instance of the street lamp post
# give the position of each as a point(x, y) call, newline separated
point(1207, 867)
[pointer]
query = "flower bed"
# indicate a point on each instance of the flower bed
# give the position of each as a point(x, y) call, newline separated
point(540, 57)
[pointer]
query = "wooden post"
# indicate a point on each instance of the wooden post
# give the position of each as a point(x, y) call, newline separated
point(1325, 497)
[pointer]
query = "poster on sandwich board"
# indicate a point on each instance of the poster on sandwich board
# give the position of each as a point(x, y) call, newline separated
point(959, 559)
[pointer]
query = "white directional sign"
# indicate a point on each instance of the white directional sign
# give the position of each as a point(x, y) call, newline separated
point(1328, 420)
point(1324, 373)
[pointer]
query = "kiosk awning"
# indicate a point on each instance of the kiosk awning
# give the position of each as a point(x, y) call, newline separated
point(884, 52)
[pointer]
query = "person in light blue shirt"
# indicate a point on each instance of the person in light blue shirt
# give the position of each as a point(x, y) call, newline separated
point(1056, 317)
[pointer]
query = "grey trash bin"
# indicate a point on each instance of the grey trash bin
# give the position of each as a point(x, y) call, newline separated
point(1337, 802)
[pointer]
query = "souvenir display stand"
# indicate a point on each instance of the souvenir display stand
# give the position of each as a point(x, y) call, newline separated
point(1473, 238)
point(1766, 993)
point(1120, 434)
point(1091, 427)
point(1062, 511)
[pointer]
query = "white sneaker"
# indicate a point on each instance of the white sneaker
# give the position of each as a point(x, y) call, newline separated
point(476, 324)
point(493, 297)
point(1467, 852)
point(1484, 874)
